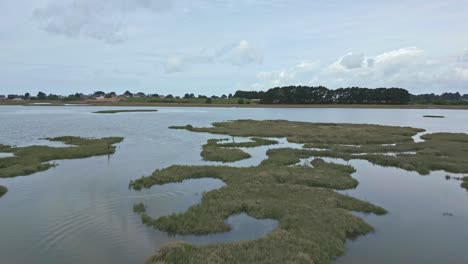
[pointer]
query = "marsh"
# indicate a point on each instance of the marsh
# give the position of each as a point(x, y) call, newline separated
point(82, 210)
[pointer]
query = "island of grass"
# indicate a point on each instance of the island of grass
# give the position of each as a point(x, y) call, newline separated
point(314, 220)
point(212, 151)
point(3, 190)
point(31, 159)
point(434, 116)
point(125, 111)
point(215, 150)
point(465, 182)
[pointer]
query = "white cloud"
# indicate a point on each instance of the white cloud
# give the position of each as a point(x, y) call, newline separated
point(239, 54)
point(464, 57)
point(103, 20)
point(399, 56)
point(462, 73)
point(352, 61)
point(244, 53)
point(288, 76)
point(409, 68)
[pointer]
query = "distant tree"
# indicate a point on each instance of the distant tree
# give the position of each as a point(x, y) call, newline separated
point(240, 101)
point(128, 94)
point(186, 96)
point(27, 96)
point(169, 96)
point(41, 96)
point(223, 96)
point(230, 96)
point(99, 94)
point(208, 100)
point(110, 95)
point(53, 97)
point(202, 96)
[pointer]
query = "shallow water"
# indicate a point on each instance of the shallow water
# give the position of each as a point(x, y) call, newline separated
point(81, 210)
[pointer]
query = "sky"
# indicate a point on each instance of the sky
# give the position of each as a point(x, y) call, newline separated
point(220, 46)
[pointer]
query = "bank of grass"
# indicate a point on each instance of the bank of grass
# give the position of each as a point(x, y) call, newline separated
point(254, 142)
point(31, 159)
point(3, 190)
point(212, 151)
point(125, 111)
point(438, 151)
point(465, 182)
point(302, 132)
point(314, 220)
point(434, 116)
point(184, 101)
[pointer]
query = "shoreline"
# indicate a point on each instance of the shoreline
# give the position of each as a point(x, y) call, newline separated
point(130, 104)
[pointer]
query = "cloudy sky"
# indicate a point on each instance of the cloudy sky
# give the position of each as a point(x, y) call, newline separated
point(219, 46)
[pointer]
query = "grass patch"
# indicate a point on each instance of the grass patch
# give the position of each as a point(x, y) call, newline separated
point(433, 116)
point(125, 111)
point(212, 151)
point(3, 190)
point(139, 208)
point(302, 132)
point(314, 220)
point(465, 182)
point(255, 142)
point(439, 151)
point(31, 159)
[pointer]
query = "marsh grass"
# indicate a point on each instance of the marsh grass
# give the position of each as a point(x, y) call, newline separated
point(314, 220)
point(212, 151)
point(125, 111)
point(302, 132)
point(3, 190)
point(255, 142)
point(139, 208)
point(31, 159)
point(439, 151)
point(465, 182)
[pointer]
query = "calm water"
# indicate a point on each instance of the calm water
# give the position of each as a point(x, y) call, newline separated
point(81, 210)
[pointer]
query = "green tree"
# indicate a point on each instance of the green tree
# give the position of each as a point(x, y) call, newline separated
point(41, 96)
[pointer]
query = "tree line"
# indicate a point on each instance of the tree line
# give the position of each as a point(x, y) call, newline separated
point(323, 95)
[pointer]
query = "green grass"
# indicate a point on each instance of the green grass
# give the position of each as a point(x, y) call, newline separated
point(255, 142)
point(183, 100)
point(465, 182)
point(139, 208)
point(31, 159)
point(302, 132)
point(434, 116)
point(314, 220)
point(212, 151)
point(3, 190)
point(439, 151)
point(125, 111)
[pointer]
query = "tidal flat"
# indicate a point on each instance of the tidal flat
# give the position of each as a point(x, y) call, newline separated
point(82, 211)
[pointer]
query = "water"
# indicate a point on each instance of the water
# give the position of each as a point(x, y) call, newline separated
point(81, 210)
